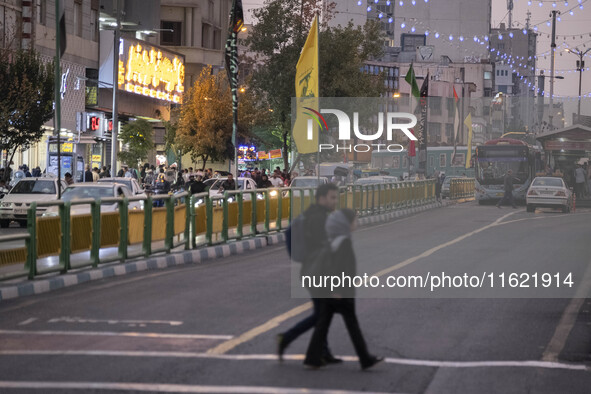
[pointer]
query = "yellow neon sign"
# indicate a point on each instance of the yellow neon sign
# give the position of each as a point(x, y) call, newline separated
point(151, 73)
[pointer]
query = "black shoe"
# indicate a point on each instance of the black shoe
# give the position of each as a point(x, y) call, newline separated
point(280, 347)
point(373, 360)
point(314, 366)
point(330, 359)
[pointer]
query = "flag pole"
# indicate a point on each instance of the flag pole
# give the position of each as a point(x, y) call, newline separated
point(57, 98)
point(318, 93)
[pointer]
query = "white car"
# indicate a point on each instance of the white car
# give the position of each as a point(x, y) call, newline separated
point(80, 191)
point(15, 204)
point(131, 183)
point(548, 192)
point(244, 184)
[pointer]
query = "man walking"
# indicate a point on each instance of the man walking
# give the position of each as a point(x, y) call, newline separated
point(579, 182)
point(314, 238)
point(508, 197)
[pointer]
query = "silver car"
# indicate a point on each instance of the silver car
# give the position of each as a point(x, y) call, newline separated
point(548, 192)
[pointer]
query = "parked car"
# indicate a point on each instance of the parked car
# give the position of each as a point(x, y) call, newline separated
point(445, 187)
point(131, 183)
point(94, 191)
point(15, 204)
point(376, 179)
point(548, 192)
point(308, 181)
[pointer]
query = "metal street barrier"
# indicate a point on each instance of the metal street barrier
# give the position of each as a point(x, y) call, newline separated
point(461, 188)
point(72, 241)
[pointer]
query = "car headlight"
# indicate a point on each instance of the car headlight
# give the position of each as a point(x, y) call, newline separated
point(5, 204)
point(260, 197)
point(50, 214)
point(198, 202)
point(273, 193)
point(230, 199)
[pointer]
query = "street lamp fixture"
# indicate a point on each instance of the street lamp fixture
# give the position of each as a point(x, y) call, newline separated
point(580, 66)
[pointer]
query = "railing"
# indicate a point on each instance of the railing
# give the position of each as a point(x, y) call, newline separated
point(461, 188)
point(185, 221)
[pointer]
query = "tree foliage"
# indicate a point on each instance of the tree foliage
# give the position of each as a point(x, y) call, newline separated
point(26, 102)
point(277, 40)
point(205, 122)
point(138, 139)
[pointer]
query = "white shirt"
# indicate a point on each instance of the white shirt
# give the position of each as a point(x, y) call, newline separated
point(276, 181)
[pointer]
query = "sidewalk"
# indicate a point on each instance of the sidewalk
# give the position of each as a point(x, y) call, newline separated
point(45, 283)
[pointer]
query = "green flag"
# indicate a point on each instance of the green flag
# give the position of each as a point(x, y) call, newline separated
point(412, 81)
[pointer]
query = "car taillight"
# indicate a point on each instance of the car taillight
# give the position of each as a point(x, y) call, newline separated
point(560, 194)
point(532, 193)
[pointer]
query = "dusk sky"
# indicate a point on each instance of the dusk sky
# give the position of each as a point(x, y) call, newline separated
point(578, 24)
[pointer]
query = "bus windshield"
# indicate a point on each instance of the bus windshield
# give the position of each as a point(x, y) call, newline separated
point(493, 164)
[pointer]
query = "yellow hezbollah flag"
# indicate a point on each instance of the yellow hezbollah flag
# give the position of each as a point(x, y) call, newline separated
point(468, 123)
point(305, 129)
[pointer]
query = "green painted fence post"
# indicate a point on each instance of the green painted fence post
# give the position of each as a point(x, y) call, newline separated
point(95, 210)
point(279, 210)
point(66, 237)
point(225, 218)
point(290, 194)
point(209, 220)
point(240, 202)
point(169, 239)
point(267, 210)
point(31, 243)
point(189, 221)
point(147, 244)
point(253, 212)
point(124, 228)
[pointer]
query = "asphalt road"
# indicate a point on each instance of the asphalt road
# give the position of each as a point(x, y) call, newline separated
point(211, 328)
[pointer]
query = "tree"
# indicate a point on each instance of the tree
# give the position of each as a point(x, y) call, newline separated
point(138, 140)
point(277, 40)
point(205, 122)
point(26, 103)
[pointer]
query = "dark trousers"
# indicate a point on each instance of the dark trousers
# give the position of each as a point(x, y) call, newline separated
point(507, 198)
point(580, 190)
point(304, 325)
point(327, 308)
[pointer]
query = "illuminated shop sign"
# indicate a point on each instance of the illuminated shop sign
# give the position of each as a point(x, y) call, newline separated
point(247, 153)
point(150, 71)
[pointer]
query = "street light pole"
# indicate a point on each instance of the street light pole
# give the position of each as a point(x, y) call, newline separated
point(552, 50)
point(580, 66)
point(115, 117)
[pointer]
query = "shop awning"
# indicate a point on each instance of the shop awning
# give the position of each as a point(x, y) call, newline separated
point(575, 137)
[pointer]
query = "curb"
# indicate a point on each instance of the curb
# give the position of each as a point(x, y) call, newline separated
point(195, 256)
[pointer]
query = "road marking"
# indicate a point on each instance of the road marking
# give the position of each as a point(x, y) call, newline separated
point(28, 321)
point(117, 334)
point(568, 319)
point(274, 322)
point(300, 357)
point(263, 328)
point(167, 388)
point(68, 319)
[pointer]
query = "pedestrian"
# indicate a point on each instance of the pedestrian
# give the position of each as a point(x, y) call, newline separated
point(36, 172)
point(339, 226)
point(228, 184)
point(276, 180)
point(508, 184)
point(88, 174)
point(95, 174)
point(149, 178)
point(103, 173)
point(314, 237)
point(438, 186)
point(121, 173)
point(579, 182)
point(68, 178)
point(264, 182)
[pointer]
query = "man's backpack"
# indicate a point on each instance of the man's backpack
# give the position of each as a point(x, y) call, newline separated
point(295, 239)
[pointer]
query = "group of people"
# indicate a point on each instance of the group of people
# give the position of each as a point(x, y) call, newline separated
point(324, 227)
point(583, 181)
point(277, 178)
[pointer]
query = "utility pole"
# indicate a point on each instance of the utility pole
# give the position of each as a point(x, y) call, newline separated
point(510, 12)
point(580, 66)
point(115, 117)
point(553, 14)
